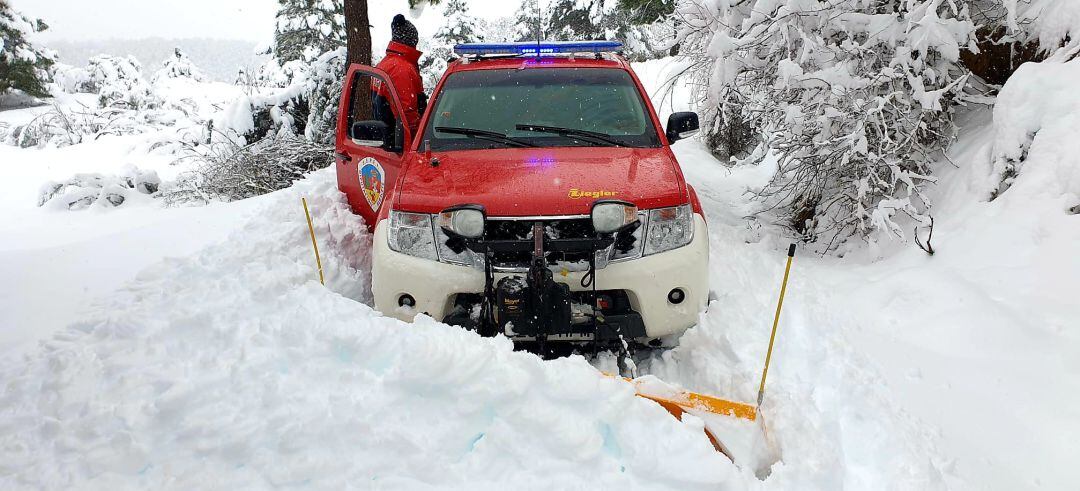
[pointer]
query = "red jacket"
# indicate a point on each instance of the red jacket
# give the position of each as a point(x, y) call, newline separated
point(402, 64)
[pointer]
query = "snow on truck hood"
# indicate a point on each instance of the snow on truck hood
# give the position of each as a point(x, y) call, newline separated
point(542, 181)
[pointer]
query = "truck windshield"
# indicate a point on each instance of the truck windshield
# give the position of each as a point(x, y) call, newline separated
point(542, 107)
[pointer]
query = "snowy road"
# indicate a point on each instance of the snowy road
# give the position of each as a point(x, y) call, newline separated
point(228, 366)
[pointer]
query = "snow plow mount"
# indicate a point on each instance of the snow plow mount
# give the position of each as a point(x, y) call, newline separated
point(532, 306)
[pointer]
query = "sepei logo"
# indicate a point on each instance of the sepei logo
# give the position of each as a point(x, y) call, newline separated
point(576, 193)
point(372, 181)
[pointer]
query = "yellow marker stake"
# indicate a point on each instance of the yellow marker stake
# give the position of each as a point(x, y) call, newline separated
point(776, 321)
point(315, 245)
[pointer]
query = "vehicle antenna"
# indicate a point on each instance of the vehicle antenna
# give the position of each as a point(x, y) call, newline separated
point(539, 33)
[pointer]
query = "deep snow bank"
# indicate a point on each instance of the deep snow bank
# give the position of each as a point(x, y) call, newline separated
point(233, 368)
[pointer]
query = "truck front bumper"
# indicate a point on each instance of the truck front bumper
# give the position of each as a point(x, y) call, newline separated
point(647, 282)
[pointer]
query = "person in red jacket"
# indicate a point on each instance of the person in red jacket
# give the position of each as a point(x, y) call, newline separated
point(401, 63)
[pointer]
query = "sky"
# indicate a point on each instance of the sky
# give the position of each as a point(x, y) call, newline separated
point(249, 20)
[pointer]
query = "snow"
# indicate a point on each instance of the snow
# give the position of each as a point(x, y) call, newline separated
point(193, 347)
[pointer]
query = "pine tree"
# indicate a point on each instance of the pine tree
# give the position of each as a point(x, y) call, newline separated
point(528, 19)
point(577, 20)
point(23, 66)
point(308, 28)
point(460, 27)
point(644, 12)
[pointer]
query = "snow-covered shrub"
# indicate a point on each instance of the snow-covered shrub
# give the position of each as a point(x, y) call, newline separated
point(85, 190)
point(178, 66)
point(60, 127)
point(1052, 23)
point(119, 83)
point(23, 66)
point(1036, 119)
point(306, 104)
point(855, 97)
point(72, 79)
point(230, 171)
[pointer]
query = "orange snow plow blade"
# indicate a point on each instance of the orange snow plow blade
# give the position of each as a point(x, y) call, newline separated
point(677, 402)
point(682, 401)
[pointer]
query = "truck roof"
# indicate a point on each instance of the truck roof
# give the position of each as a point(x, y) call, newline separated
point(517, 62)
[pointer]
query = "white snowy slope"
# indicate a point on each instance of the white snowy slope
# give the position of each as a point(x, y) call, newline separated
point(979, 344)
point(194, 347)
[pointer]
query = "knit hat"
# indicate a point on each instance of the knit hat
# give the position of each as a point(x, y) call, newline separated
point(404, 32)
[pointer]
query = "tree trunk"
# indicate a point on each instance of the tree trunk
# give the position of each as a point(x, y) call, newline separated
point(358, 50)
point(358, 32)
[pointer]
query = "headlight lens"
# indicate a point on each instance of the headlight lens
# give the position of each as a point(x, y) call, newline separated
point(638, 235)
point(669, 228)
point(446, 255)
point(610, 216)
point(466, 222)
point(412, 234)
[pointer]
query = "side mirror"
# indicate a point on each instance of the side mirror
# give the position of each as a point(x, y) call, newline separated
point(682, 125)
point(370, 133)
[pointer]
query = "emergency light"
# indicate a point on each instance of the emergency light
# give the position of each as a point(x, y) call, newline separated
point(537, 49)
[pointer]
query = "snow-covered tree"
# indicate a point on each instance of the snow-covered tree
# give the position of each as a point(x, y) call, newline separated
point(1052, 23)
point(323, 91)
point(178, 66)
point(576, 20)
point(854, 97)
point(645, 12)
point(23, 66)
point(308, 28)
point(528, 19)
point(119, 83)
point(638, 24)
point(460, 27)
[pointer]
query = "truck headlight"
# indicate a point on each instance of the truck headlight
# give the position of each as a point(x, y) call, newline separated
point(610, 216)
point(464, 220)
point(669, 228)
point(412, 234)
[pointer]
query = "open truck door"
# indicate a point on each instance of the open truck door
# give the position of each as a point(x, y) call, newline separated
point(371, 141)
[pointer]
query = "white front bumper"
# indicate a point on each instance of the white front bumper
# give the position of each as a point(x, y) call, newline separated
point(646, 281)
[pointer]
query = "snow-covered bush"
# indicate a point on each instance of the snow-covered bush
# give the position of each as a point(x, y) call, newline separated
point(23, 66)
point(304, 105)
point(178, 66)
point(72, 79)
point(231, 171)
point(60, 127)
point(1035, 119)
point(855, 97)
point(119, 83)
point(85, 190)
point(1052, 23)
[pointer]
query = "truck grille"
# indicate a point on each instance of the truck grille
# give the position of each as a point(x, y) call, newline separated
point(522, 229)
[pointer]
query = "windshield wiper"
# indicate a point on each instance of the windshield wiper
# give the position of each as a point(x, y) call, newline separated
point(484, 135)
point(595, 137)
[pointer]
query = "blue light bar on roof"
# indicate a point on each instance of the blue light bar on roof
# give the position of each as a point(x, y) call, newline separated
point(537, 49)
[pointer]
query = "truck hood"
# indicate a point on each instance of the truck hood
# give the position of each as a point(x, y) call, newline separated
point(541, 181)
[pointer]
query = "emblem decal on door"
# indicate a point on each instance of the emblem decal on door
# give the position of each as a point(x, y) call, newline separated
point(373, 181)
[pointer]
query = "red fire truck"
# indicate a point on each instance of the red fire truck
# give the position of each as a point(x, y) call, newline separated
point(539, 199)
